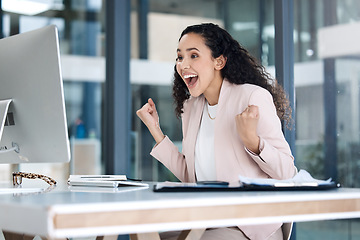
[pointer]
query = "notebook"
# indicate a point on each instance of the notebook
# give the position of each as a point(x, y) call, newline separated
point(112, 181)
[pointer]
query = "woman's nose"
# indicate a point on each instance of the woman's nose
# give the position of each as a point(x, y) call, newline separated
point(185, 64)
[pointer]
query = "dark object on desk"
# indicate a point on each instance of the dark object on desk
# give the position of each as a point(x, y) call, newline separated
point(212, 183)
point(192, 187)
point(295, 187)
point(195, 187)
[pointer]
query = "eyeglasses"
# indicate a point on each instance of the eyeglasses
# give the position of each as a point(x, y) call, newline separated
point(17, 178)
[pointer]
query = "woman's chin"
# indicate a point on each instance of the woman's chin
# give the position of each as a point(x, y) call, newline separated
point(195, 93)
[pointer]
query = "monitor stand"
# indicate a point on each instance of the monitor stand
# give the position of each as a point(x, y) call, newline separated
point(4, 107)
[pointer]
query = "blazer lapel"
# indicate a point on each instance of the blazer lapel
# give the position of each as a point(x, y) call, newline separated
point(194, 125)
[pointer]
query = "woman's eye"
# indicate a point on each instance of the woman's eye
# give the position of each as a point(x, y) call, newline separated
point(179, 58)
point(194, 55)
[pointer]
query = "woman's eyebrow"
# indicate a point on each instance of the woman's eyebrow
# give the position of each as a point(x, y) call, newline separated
point(189, 49)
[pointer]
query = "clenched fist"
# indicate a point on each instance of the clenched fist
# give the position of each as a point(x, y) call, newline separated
point(246, 124)
point(150, 118)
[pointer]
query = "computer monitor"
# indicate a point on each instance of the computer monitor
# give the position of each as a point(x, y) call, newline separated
point(33, 126)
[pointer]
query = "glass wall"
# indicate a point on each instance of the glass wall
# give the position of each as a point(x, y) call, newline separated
point(327, 101)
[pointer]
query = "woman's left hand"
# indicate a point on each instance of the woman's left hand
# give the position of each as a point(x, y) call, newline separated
point(246, 123)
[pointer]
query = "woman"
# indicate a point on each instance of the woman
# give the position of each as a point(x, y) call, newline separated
point(230, 110)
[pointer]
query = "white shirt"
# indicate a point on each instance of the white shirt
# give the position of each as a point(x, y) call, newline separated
point(205, 168)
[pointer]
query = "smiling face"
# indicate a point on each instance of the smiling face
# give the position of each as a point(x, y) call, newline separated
point(199, 70)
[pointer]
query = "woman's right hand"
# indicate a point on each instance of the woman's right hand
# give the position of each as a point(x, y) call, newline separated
point(150, 118)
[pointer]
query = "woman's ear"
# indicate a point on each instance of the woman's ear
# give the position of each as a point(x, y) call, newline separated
point(220, 62)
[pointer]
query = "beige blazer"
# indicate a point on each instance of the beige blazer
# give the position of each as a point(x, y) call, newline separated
point(231, 157)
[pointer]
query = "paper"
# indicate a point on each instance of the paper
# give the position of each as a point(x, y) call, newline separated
point(112, 181)
point(302, 178)
point(87, 178)
point(106, 189)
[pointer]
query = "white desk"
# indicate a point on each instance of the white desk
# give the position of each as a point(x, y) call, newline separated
point(65, 213)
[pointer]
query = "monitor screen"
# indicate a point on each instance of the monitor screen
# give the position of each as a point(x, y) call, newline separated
point(32, 108)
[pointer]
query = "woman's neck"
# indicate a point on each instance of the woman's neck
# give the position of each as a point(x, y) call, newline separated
point(213, 92)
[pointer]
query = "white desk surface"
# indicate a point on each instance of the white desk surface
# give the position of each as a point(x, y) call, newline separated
point(67, 212)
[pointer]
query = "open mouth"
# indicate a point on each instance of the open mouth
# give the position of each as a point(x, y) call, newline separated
point(190, 79)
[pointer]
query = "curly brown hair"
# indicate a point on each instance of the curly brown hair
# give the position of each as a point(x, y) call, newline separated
point(240, 68)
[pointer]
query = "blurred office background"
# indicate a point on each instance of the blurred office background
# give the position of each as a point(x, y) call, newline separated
point(326, 70)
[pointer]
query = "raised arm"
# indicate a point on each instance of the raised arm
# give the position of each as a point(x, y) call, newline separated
point(150, 118)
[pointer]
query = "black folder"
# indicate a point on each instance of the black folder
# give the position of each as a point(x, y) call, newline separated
point(200, 187)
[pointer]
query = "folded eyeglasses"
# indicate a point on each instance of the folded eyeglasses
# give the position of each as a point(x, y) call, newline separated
point(18, 176)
